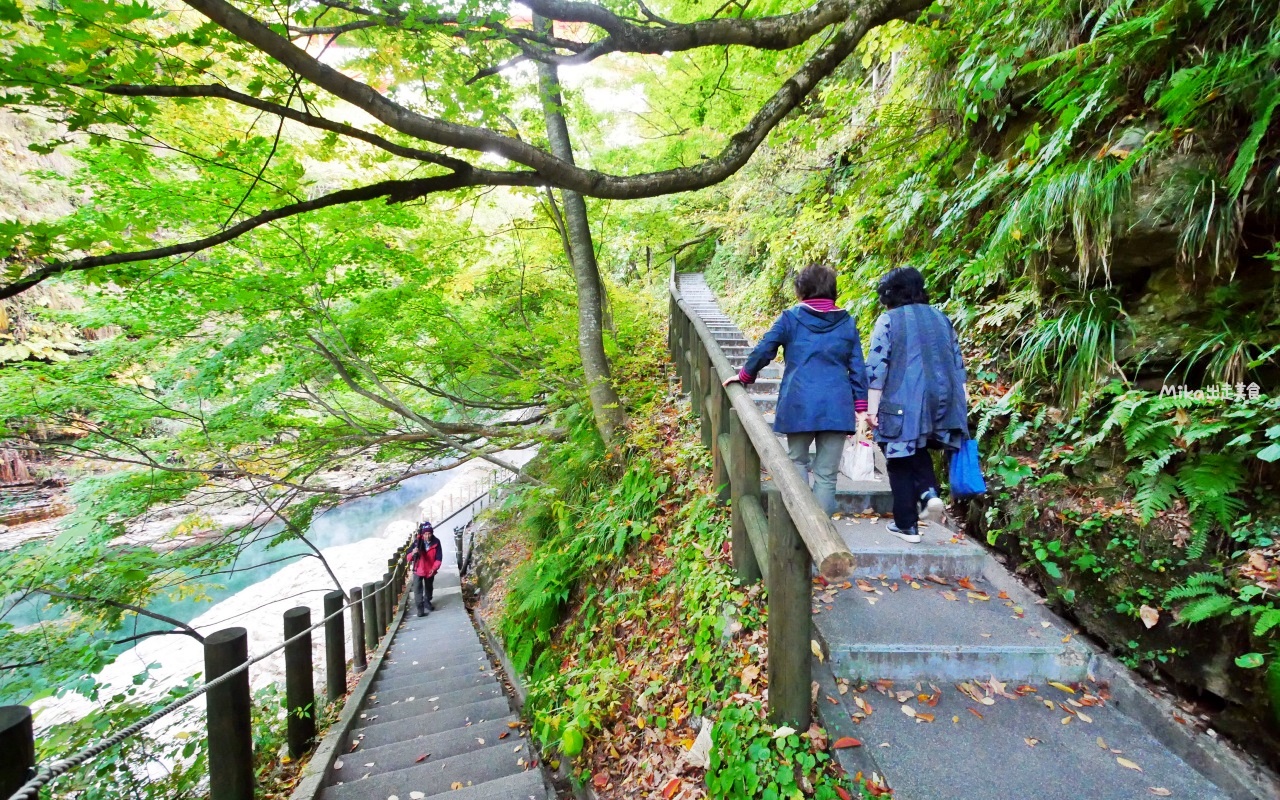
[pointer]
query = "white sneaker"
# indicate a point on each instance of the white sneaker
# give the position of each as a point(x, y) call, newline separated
point(911, 535)
point(931, 506)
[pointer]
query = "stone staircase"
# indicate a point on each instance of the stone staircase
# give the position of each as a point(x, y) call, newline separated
point(436, 720)
point(955, 659)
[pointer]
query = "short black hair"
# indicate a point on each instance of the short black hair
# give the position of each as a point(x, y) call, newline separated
point(816, 281)
point(902, 286)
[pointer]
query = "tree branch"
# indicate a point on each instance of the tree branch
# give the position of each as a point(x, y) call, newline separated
point(858, 16)
point(177, 623)
point(395, 191)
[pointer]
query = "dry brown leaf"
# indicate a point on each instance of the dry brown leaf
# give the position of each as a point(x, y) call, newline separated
point(1159, 791)
point(1150, 616)
point(1127, 764)
point(1031, 742)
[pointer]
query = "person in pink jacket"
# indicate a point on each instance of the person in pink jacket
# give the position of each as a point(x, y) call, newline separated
point(426, 555)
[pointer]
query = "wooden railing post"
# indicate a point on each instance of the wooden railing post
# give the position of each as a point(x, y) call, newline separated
point(358, 658)
point(744, 464)
point(335, 647)
point(370, 602)
point(720, 432)
point(388, 598)
point(707, 388)
point(227, 719)
point(299, 683)
point(790, 670)
point(697, 384)
point(18, 744)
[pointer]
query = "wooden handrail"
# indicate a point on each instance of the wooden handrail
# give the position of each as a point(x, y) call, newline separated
point(825, 546)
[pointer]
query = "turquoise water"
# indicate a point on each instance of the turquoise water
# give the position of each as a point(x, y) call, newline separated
point(348, 523)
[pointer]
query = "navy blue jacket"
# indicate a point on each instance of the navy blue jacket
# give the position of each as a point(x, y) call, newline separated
point(824, 370)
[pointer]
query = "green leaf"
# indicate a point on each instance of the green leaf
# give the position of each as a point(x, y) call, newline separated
point(1270, 453)
point(1250, 660)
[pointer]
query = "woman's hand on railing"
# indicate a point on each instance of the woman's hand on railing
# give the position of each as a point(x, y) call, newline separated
point(731, 379)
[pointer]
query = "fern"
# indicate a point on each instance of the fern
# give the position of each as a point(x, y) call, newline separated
point(1208, 607)
point(1199, 584)
point(1154, 496)
point(1208, 482)
point(1268, 620)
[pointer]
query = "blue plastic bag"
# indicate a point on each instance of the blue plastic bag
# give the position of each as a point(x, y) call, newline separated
point(966, 471)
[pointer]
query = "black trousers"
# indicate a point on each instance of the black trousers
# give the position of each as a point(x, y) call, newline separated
point(909, 477)
point(423, 589)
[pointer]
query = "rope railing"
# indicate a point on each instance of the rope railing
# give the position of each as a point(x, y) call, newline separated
point(31, 789)
point(779, 532)
point(372, 608)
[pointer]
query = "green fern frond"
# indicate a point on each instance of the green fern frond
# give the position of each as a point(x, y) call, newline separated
point(1268, 620)
point(1214, 605)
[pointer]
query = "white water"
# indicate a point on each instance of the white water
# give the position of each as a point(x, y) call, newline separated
point(259, 607)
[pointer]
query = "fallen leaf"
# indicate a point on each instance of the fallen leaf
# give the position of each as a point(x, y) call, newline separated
point(601, 780)
point(1150, 616)
point(1003, 595)
point(816, 648)
point(416, 795)
point(978, 595)
point(1127, 764)
point(1062, 686)
point(937, 580)
point(908, 710)
point(783, 731)
point(949, 596)
point(1066, 719)
point(478, 739)
point(845, 742)
point(421, 758)
point(1159, 791)
point(843, 793)
point(965, 583)
point(671, 788)
point(1101, 743)
point(974, 712)
point(865, 586)
point(1084, 717)
point(456, 785)
point(920, 715)
point(1031, 742)
point(956, 719)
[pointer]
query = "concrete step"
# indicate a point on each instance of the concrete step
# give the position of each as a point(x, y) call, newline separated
point(394, 707)
point(525, 786)
point(767, 403)
point(942, 633)
point(434, 682)
point(879, 552)
point(437, 746)
point(433, 777)
point(857, 497)
point(765, 386)
point(973, 751)
point(424, 656)
point(443, 720)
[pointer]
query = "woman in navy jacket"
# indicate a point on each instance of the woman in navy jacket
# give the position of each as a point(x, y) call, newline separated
point(824, 385)
point(918, 397)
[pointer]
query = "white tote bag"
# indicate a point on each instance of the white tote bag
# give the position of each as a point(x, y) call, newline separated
point(859, 460)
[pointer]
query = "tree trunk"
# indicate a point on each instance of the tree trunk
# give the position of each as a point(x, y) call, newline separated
point(605, 406)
